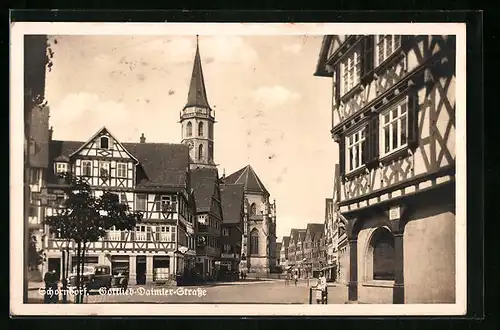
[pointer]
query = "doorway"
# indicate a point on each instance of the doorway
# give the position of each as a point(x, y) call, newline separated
point(141, 270)
point(55, 264)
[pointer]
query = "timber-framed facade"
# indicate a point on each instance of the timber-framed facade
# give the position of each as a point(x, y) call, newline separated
point(393, 117)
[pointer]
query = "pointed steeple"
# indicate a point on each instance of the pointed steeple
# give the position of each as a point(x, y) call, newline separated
point(197, 95)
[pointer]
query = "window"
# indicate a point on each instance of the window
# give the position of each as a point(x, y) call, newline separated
point(383, 255)
point(33, 211)
point(189, 129)
point(227, 248)
point(34, 176)
point(253, 209)
point(200, 129)
point(61, 167)
point(164, 233)
point(140, 233)
point(386, 46)
point(104, 169)
point(86, 167)
point(355, 146)
point(225, 231)
point(167, 203)
point(200, 152)
point(350, 68)
point(140, 202)
point(394, 127)
point(121, 170)
point(104, 142)
point(254, 242)
point(114, 235)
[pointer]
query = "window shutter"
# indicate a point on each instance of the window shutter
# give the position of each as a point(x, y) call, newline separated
point(412, 117)
point(373, 140)
point(367, 58)
point(342, 156)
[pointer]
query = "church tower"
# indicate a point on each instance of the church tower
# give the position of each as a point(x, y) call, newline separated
point(198, 119)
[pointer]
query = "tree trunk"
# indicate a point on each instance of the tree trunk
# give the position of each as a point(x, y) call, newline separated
point(83, 267)
point(78, 272)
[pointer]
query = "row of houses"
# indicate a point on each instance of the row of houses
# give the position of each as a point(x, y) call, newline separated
point(318, 247)
point(195, 221)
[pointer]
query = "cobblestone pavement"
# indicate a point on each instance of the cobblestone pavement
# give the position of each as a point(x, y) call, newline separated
point(262, 292)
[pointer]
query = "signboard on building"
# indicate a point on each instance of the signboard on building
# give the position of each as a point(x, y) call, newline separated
point(394, 213)
point(227, 255)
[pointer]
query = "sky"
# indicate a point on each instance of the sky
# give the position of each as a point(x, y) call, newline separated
point(271, 112)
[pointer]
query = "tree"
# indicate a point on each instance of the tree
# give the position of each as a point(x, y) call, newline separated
point(85, 218)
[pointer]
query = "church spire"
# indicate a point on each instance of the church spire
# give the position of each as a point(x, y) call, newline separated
point(197, 95)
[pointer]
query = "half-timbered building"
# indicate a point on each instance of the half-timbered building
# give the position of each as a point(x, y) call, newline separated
point(312, 240)
point(393, 116)
point(285, 242)
point(152, 178)
point(232, 226)
point(206, 186)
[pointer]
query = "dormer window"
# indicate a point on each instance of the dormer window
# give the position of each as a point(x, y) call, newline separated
point(104, 142)
point(61, 168)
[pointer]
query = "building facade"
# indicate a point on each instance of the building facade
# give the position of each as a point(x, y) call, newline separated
point(312, 249)
point(259, 237)
point(232, 226)
point(163, 244)
point(284, 252)
point(393, 116)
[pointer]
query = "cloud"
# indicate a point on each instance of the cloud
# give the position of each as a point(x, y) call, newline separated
point(213, 49)
point(292, 48)
point(79, 115)
point(274, 96)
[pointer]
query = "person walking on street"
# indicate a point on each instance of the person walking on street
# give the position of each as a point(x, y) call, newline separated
point(322, 287)
point(295, 278)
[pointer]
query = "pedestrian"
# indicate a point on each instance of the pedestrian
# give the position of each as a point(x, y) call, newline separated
point(295, 278)
point(322, 287)
point(287, 279)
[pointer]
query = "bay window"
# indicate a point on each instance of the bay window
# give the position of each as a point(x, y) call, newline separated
point(355, 149)
point(394, 128)
point(386, 46)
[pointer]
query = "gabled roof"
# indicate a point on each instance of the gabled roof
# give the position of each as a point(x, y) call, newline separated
point(203, 183)
point(323, 54)
point(316, 230)
point(197, 95)
point(164, 164)
point(301, 234)
point(247, 177)
point(232, 196)
point(99, 132)
point(278, 246)
point(286, 241)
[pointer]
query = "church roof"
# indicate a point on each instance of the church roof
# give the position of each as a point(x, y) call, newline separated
point(197, 94)
point(164, 164)
point(203, 182)
point(247, 177)
point(232, 202)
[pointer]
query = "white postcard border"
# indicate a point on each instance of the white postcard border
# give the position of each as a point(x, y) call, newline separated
point(18, 30)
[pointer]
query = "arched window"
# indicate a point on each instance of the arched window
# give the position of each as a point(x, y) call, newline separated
point(253, 209)
point(189, 129)
point(200, 128)
point(200, 152)
point(104, 142)
point(254, 242)
point(382, 243)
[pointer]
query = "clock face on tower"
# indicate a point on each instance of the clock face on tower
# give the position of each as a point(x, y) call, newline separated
point(190, 145)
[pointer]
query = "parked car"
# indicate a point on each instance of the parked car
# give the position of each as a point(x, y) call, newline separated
point(92, 277)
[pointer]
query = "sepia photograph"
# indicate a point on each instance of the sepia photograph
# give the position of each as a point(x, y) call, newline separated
point(262, 169)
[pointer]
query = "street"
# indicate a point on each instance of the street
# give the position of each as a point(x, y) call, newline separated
point(258, 292)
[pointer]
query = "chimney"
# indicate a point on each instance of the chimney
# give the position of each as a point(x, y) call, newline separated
point(143, 138)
